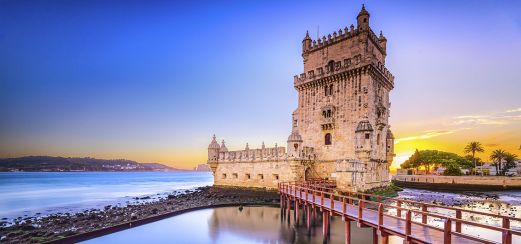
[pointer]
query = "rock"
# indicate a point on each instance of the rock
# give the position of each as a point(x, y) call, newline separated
point(27, 227)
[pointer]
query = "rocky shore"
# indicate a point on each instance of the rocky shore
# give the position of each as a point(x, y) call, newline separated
point(59, 226)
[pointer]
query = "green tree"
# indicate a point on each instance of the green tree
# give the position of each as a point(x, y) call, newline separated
point(473, 148)
point(497, 157)
point(452, 169)
point(434, 159)
point(510, 162)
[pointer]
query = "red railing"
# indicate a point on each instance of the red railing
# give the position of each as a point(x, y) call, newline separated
point(325, 190)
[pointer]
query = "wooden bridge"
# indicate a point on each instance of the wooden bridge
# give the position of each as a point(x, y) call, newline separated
point(389, 216)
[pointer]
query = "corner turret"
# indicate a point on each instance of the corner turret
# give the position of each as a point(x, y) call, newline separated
point(213, 151)
point(383, 41)
point(363, 19)
point(294, 141)
point(306, 43)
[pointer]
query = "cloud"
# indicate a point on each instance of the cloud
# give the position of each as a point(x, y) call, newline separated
point(491, 145)
point(426, 135)
point(502, 118)
point(513, 110)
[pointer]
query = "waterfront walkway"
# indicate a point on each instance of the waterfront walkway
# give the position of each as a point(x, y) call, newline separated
point(386, 216)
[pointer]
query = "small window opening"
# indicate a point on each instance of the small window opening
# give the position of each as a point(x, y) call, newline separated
point(327, 139)
point(224, 176)
point(366, 135)
point(248, 176)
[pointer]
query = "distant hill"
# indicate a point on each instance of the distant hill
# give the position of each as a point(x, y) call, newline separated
point(47, 163)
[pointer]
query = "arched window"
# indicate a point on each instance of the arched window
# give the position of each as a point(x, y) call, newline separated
point(327, 139)
point(326, 90)
point(331, 89)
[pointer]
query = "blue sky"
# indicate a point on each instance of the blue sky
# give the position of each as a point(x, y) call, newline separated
point(153, 80)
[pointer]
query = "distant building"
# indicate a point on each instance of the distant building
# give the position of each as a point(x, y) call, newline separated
point(340, 129)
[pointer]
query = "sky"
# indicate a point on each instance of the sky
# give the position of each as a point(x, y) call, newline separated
point(152, 81)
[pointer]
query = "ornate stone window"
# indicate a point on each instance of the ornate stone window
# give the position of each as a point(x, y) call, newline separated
point(327, 139)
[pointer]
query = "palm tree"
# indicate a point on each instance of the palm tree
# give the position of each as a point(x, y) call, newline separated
point(510, 161)
point(497, 156)
point(474, 147)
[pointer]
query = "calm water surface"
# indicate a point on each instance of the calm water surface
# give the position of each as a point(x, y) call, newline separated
point(30, 193)
point(232, 225)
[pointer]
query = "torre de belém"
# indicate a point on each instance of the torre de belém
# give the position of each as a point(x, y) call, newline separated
point(341, 127)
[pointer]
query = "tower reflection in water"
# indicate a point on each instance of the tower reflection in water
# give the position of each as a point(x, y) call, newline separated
point(271, 225)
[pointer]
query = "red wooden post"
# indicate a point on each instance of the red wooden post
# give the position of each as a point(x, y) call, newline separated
point(332, 196)
point(458, 223)
point(380, 215)
point(447, 228)
point(297, 214)
point(307, 195)
point(322, 198)
point(398, 210)
point(313, 196)
point(308, 218)
point(507, 234)
point(379, 199)
point(289, 207)
point(424, 216)
point(344, 207)
point(348, 231)
point(408, 223)
point(325, 223)
point(360, 210)
point(350, 200)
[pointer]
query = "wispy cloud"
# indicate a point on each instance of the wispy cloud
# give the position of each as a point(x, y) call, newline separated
point(513, 110)
point(428, 134)
point(502, 118)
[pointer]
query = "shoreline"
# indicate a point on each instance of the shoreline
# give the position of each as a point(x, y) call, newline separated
point(89, 224)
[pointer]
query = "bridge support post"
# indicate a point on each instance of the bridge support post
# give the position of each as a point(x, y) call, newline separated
point(375, 236)
point(348, 231)
point(308, 218)
point(297, 212)
point(325, 225)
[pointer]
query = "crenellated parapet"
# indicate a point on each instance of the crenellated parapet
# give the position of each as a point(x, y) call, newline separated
point(349, 66)
point(260, 154)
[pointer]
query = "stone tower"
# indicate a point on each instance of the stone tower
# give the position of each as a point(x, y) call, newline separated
point(343, 104)
point(341, 126)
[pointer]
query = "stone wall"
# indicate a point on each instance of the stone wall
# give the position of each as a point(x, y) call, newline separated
point(502, 181)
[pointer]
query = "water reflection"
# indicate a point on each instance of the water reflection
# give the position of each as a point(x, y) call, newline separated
point(238, 225)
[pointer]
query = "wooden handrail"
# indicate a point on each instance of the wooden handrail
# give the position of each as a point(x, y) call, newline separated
point(361, 200)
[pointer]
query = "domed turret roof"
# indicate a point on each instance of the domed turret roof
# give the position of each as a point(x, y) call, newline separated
point(363, 11)
point(214, 144)
point(294, 137)
point(223, 147)
point(364, 125)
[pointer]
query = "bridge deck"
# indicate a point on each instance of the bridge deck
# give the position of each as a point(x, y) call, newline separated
point(421, 233)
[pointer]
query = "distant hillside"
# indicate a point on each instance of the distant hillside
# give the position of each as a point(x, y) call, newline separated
point(47, 163)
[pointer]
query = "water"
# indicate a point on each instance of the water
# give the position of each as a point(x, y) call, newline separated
point(43, 193)
point(232, 225)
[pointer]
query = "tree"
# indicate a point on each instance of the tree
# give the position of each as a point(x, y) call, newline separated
point(497, 156)
point(510, 162)
point(473, 148)
point(432, 159)
point(453, 170)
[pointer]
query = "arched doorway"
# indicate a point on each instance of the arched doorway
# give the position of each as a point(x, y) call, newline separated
point(308, 174)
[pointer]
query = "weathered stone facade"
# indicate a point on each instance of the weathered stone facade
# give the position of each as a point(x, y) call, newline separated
point(340, 128)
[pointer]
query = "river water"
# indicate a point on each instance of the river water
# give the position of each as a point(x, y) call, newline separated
point(42, 193)
point(24, 194)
